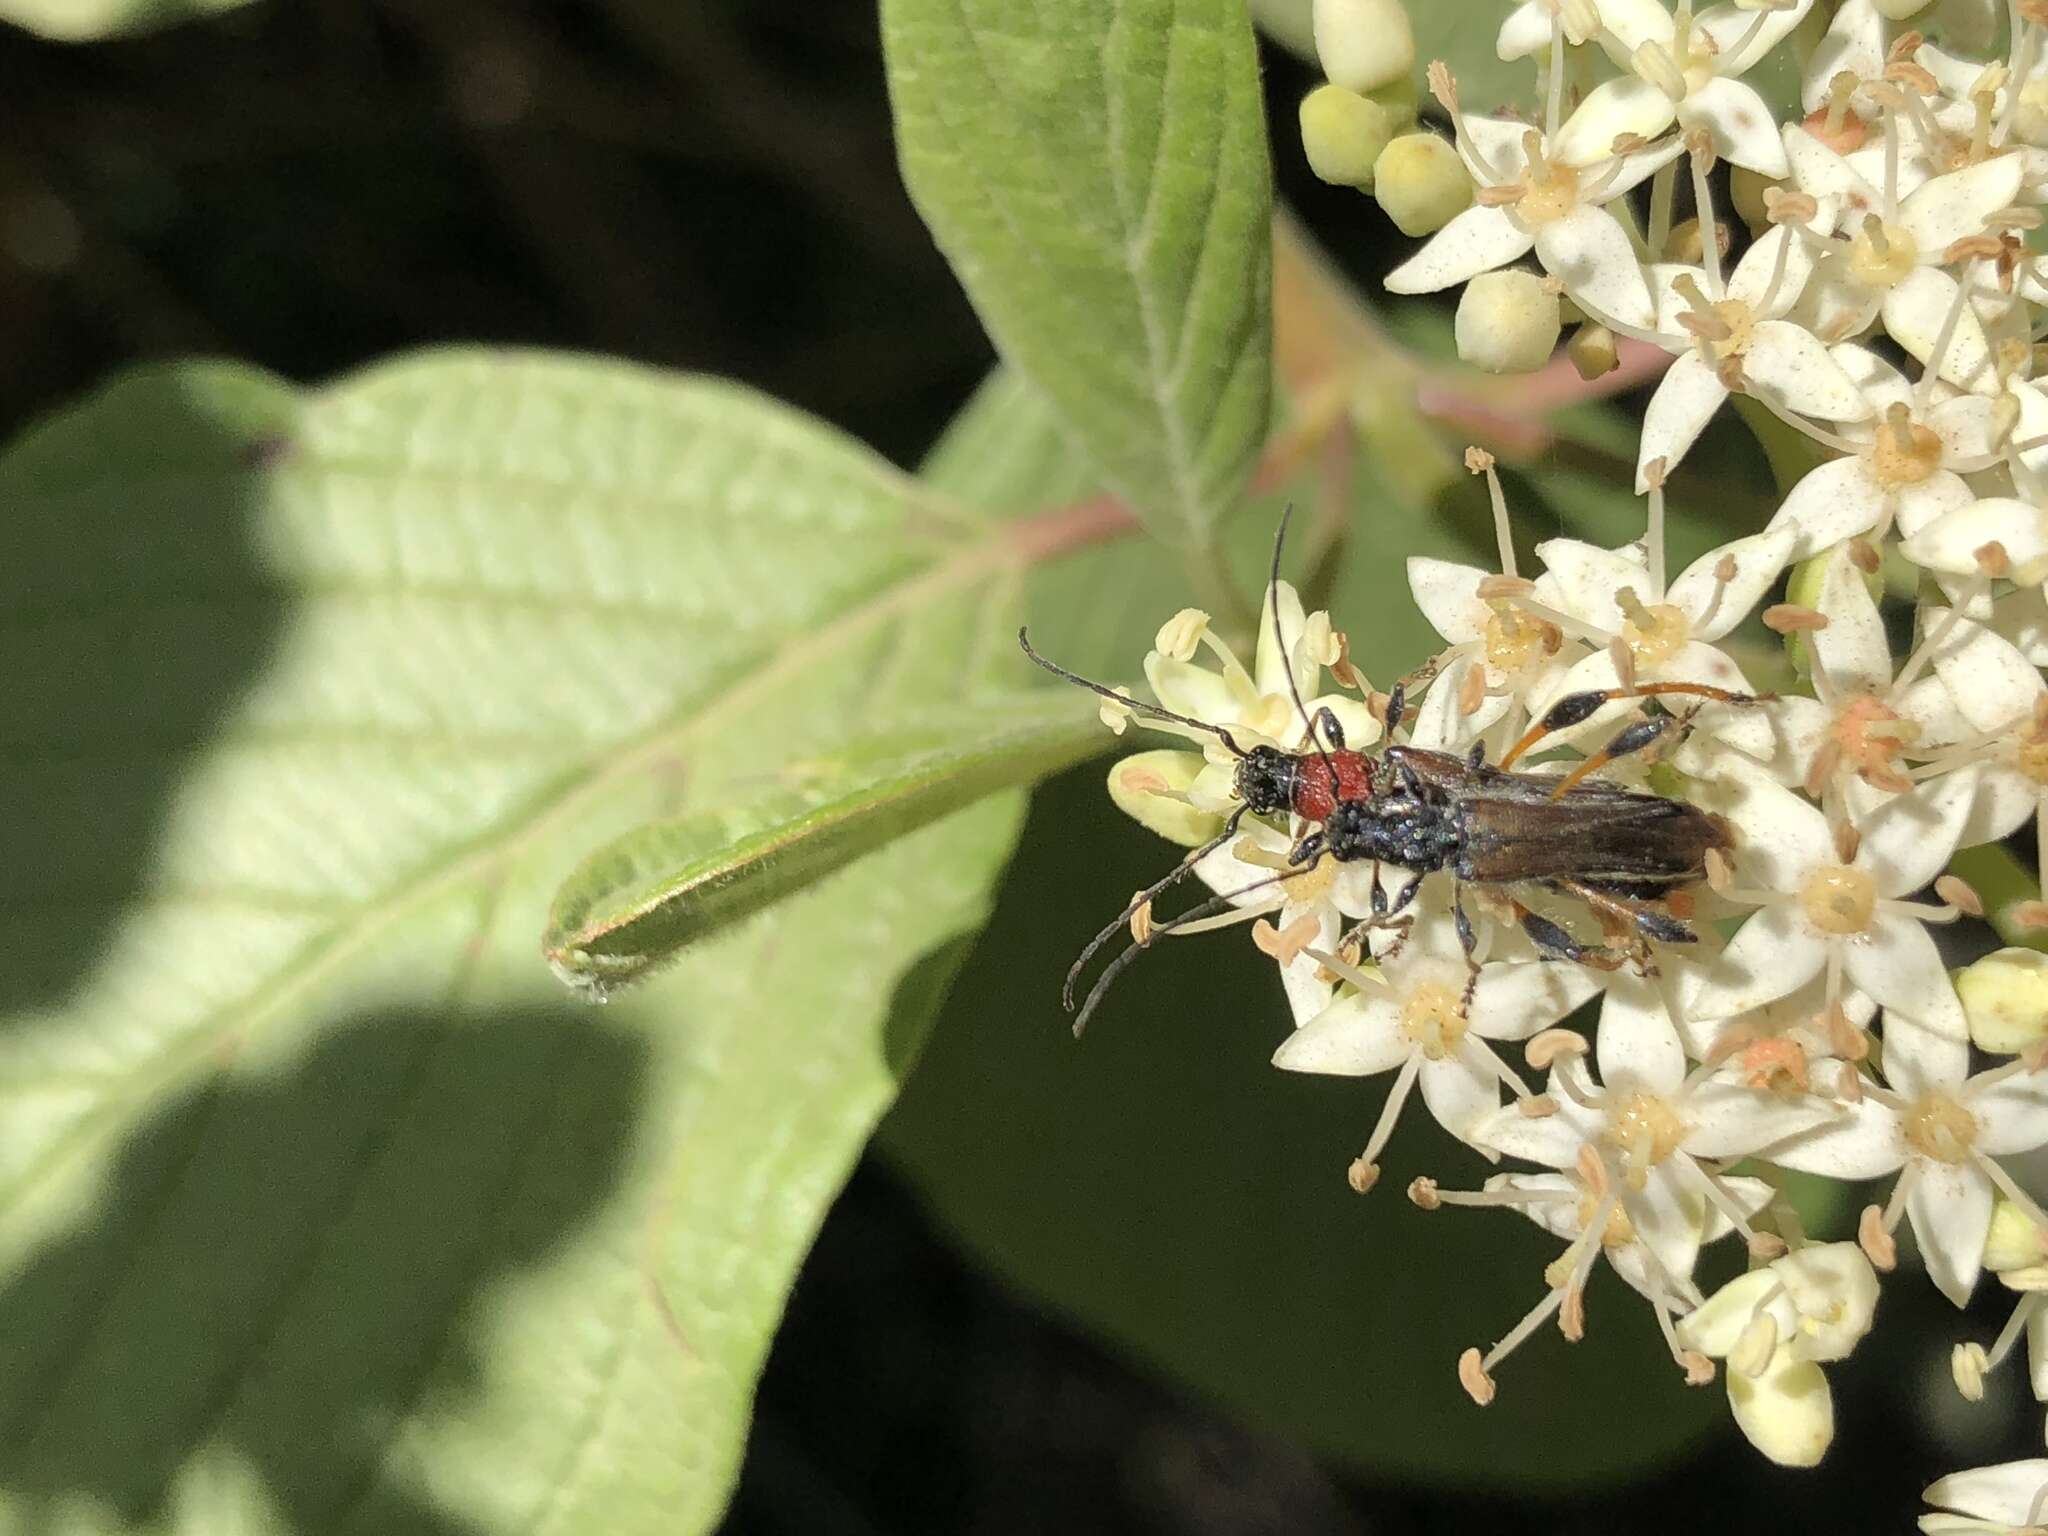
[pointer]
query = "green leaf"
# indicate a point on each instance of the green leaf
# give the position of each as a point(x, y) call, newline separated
point(1463, 37)
point(322, 1207)
point(637, 903)
point(75, 21)
point(1096, 171)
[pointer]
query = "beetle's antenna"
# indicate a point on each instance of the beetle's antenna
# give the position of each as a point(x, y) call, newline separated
point(1286, 659)
point(1136, 706)
point(1129, 953)
point(1117, 924)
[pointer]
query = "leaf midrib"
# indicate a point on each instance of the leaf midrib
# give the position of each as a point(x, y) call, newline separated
point(1010, 546)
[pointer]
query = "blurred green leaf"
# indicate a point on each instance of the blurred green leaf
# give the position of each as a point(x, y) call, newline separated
point(638, 902)
point(75, 21)
point(1096, 171)
point(2003, 881)
point(321, 1206)
point(1462, 36)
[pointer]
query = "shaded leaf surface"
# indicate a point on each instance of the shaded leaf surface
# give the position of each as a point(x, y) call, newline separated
point(1096, 172)
point(322, 1207)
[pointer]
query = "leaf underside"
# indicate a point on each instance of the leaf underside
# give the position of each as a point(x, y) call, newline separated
point(322, 1206)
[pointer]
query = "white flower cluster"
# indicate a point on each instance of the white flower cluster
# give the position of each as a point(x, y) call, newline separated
point(1877, 295)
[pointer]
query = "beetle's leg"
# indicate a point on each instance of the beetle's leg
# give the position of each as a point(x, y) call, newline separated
point(1629, 739)
point(1468, 940)
point(1648, 919)
point(1308, 850)
point(1397, 706)
point(1395, 918)
point(1409, 781)
point(1333, 732)
point(1172, 877)
point(1553, 942)
point(1575, 708)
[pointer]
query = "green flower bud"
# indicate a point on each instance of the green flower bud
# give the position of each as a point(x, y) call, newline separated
point(1421, 183)
point(1343, 134)
point(2015, 1249)
point(1507, 322)
point(1746, 188)
point(1364, 43)
point(1147, 788)
point(1400, 97)
point(2005, 998)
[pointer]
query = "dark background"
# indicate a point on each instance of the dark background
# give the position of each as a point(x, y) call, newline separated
point(711, 186)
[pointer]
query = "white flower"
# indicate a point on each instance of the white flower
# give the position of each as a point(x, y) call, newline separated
point(1889, 260)
point(1413, 1016)
point(1838, 910)
point(1735, 337)
point(2000, 696)
point(1514, 652)
point(2011, 1498)
point(2016, 1250)
point(1616, 601)
point(1684, 69)
point(1532, 197)
point(1659, 1133)
point(1905, 461)
point(1943, 1131)
point(1775, 1326)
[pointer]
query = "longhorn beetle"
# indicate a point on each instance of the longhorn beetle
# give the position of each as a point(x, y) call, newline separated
point(1622, 852)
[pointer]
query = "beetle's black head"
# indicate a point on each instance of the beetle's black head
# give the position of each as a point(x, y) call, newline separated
point(1265, 780)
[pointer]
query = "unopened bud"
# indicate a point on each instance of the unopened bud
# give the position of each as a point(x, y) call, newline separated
point(2005, 999)
point(2016, 1241)
point(1506, 322)
point(1151, 788)
point(1967, 1364)
point(1421, 183)
point(1343, 134)
point(1593, 351)
point(1363, 43)
point(1752, 193)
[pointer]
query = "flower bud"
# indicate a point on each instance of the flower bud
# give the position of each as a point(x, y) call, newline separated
point(1891, 10)
point(2030, 112)
point(1363, 43)
point(2016, 1242)
point(1148, 787)
point(1786, 1411)
point(1746, 187)
point(2005, 998)
point(1593, 351)
point(1421, 183)
point(1507, 322)
point(1343, 134)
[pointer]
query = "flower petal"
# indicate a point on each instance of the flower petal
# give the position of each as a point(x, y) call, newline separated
point(1627, 105)
point(1911, 838)
point(1459, 1094)
point(1726, 1118)
point(1448, 595)
point(1918, 1061)
point(1589, 252)
point(1514, 999)
point(1359, 1035)
point(1685, 400)
point(1772, 273)
point(1582, 579)
point(1476, 241)
point(1774, 953)
point(1862, 1141)
point(1917, 312)
point(1854, 647)
point(1991, 682)
point(1950, 1208)
point(1303, 978)
point(1787, 1412)
point(1743, 127)
point(1553, 1140)
point(1780, 837)
point(1637, 1044)
point(1787, 365)
point(1277, 647)
point(1950, 542)
point(1528, 29)
point(1822, 174)
point(1669, 1214)
point(2012, 1115)
point(1833, 502)
point(1915, 506)
point(1951, 206)
point(2009, 1493)
point(1898, 965)
point(1715, 606)
point(1739, 44)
